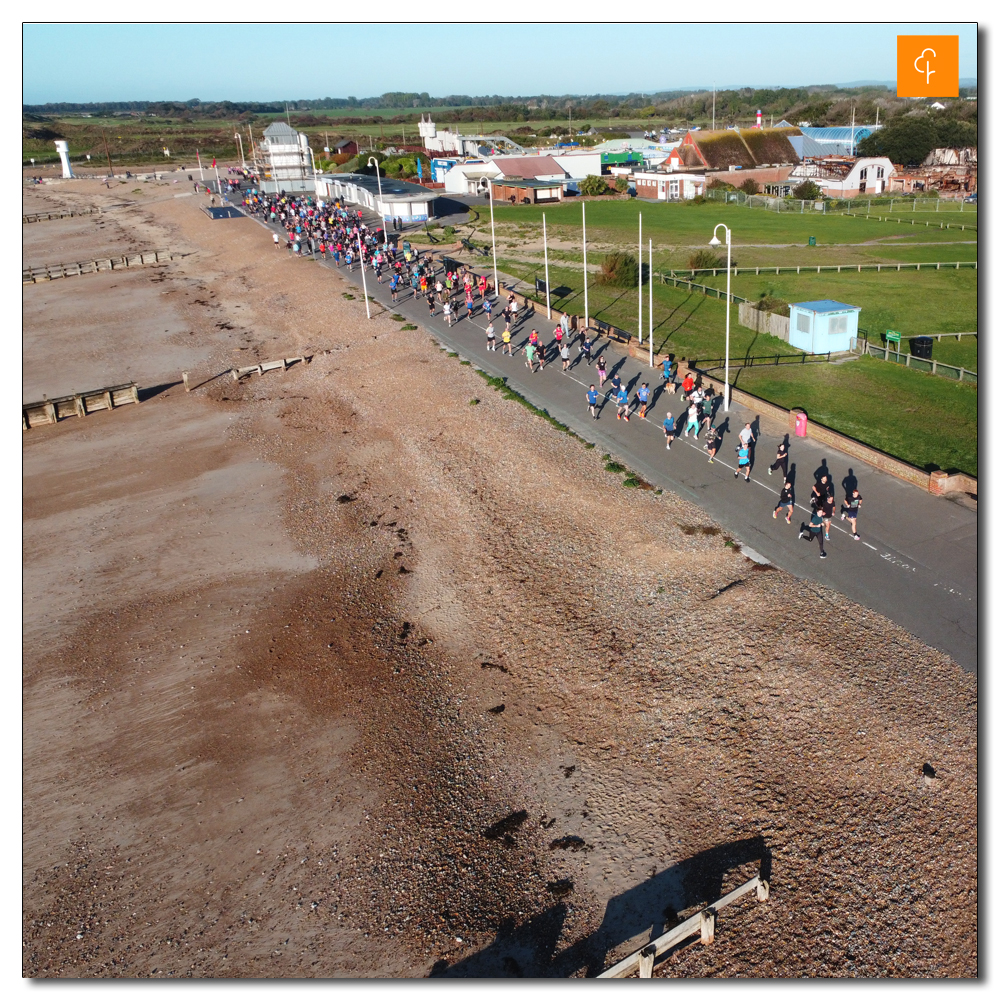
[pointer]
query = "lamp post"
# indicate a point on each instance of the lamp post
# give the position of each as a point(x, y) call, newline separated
point(640, 277)
point(381, 204)
point(650, 303)
point(493, 238)
point(364, 280)
point(586, 301)
point(239, 141)
point(715, 242)
point(545, 243)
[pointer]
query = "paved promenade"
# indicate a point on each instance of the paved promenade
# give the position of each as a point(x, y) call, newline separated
point(916, 562)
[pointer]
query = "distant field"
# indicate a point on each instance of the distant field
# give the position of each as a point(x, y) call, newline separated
point(922, 419)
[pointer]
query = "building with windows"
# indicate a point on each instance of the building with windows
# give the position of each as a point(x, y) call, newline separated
point(823, 325)
point(658, 186)
point(845, 177)
point(398, 199)
point(287, 159)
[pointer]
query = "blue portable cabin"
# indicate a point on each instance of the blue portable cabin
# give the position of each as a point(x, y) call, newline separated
point(823, 325)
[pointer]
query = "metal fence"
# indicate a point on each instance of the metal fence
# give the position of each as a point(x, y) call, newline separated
point(934, 265)
point(845, 206)
point(769, 359)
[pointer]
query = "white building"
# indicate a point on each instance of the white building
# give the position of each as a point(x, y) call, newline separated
point(455, 143)
point(408, 202)
point(844, 178)
point(668, 186)
point(287, 159)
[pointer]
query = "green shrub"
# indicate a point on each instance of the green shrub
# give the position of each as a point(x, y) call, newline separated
point(621, 183)
point(705, 260)
point(750, 186)
point(808, 190)
point(620, 269)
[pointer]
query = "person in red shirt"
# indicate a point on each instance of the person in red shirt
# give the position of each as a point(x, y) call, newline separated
point(687, 386)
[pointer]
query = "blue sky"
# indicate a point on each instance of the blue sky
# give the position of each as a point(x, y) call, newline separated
point(114, 62)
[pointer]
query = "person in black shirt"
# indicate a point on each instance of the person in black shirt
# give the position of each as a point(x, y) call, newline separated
point(849, 509)
point(786, 502)
point(781, 462)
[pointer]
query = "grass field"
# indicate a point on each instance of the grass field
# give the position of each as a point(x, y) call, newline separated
point(963, 354)
point(925, 420)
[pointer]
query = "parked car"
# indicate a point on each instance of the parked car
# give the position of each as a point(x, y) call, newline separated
point(973, 199)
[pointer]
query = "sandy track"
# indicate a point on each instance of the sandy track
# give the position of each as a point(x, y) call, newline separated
point(277, 748)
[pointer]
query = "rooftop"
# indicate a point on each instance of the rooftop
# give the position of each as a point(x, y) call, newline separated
point(824, 306)
point(390, 187)
point(281, 130)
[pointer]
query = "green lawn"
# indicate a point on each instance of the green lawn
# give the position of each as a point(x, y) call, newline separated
point(912, 302)
point(688, 324)
point(688, 224)
point(928, 421)
point(964, 354)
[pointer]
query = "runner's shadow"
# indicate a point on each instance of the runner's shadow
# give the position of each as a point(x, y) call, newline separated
point(822, 471)
point(849, 482)
point(791, 475)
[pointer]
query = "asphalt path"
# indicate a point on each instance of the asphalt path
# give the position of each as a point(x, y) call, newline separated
point(916, 562)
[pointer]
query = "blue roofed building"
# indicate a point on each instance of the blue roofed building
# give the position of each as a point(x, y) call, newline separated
point(822, 325)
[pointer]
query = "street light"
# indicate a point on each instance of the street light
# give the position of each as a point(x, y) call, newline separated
point(239, 140)
point(493, 238)
point(715, 242)
point(381, 204)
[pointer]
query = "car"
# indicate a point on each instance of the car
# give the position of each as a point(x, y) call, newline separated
point(973, 199)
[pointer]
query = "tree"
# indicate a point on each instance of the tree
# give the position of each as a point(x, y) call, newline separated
point(592, 185)
point(907, 139)
point(705, 260)
point(750, 186)
point(808, 190)
point(620, 269)
point(621, 183)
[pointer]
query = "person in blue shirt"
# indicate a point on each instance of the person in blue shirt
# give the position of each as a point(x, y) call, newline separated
point(642, 398)
point(592, 401)
point(394, 286)
point(616, 384)
point(743, 460)
point(622, 400)
point(669, 429)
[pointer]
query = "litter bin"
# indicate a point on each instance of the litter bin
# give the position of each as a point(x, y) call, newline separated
point(801, 422)
point(920, 347)
point(812, 241)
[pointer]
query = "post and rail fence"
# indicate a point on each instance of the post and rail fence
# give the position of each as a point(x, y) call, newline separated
point(49, 272)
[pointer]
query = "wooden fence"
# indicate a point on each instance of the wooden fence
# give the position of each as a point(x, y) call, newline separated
point(703, 923)
point(953, 372)
point(48, 272)
point(46, 216)
point(818, 268)
point(79, 404)
point(913, 222)
point(265, 366)
point(764, 322)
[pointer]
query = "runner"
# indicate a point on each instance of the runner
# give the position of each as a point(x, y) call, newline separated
point(508, 347)
point(430, 301)
point(540, 354)
point(394, 287)
point(687, 386)
point(470, 304)
point(558, 334)
point(826, 512)
point(747, 435)
point(277, 241)
point(445, 309)
point(743, 461)
point(491, 337)
point(591, 396)
point(487, 308)
point(781, 461)
point(622, 402)
point(712, 443)
point(786, 502)
point(587, 346)
point(814, 530)
point(529, 350)
point(642, 399)
point(850, 509)
point(602, 372)
point(513, 308)
point(616, 384)
point(669, 430)
point(506, 317)
point(692, 420)
point(564, 354)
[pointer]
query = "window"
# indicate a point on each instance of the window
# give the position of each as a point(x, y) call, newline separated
point(675, 189)
point(880, 172)
point(838, 324)
point(861, 187)
point(864, 174)
point(802, 322)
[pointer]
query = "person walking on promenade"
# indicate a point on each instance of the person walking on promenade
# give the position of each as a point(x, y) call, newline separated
point(743, 461)
point(602, 372)
point(487, 308)
point(781, 461)
point(814, 530)
point(277, 241)
point(586, 349)
point(621, 401)
point(669, 428)
point(642, 400)
point(786, 502)
point(591, 396)
point(747, 435)
point(445, 309)
point(850, 509)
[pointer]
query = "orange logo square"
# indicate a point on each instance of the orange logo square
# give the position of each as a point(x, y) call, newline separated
point(927, 65)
